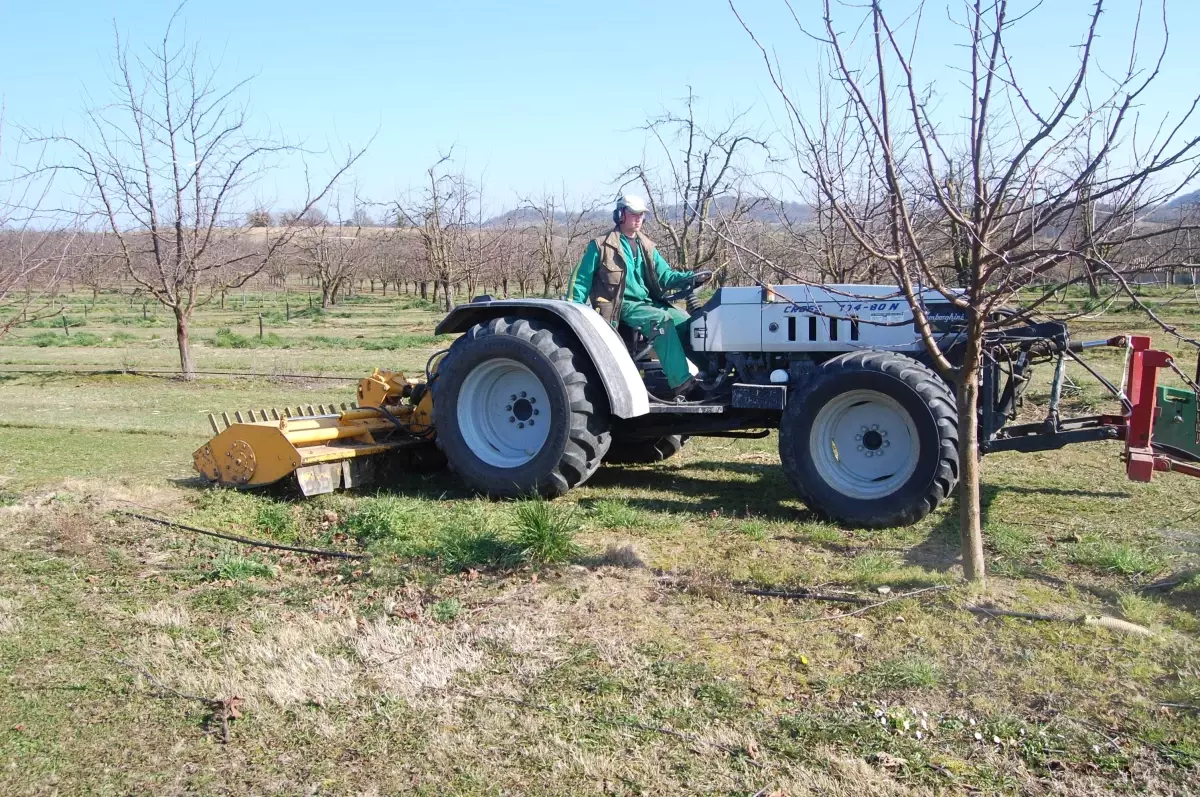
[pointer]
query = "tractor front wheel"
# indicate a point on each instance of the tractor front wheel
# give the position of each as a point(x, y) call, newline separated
point(873, 441)
point(516, 412)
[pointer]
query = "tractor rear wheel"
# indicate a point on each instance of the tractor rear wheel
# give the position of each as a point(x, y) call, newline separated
point(873, 441)
point(518, 411)
point(639, 452)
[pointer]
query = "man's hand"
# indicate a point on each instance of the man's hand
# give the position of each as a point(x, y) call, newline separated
point(701, 277)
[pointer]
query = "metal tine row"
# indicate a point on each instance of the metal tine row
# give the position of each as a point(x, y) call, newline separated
point(274, 414)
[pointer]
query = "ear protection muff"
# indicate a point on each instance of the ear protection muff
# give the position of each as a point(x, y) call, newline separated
point(618, 216)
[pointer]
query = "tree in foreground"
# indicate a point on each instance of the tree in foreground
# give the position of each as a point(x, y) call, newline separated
point(169, 163)
point(986, 187)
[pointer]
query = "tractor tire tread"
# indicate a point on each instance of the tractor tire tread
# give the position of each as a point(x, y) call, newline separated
point(588, 437)
point(933, 392)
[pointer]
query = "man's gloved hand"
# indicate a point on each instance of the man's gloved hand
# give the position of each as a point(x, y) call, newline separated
point(701, 277)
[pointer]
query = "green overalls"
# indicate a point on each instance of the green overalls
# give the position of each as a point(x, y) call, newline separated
point(643, 280)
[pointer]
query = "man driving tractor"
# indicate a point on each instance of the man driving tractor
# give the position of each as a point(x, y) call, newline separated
point(625, 279)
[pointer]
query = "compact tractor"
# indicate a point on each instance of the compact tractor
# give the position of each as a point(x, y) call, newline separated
point(536, 394)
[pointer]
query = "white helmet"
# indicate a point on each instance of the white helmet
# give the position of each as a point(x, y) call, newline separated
point(630, 202)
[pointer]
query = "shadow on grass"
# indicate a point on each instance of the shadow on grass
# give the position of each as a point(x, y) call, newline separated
point(1026, 490)
point(761, 496)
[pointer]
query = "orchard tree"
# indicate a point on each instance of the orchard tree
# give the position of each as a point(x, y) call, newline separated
point(987, 186)
point(169, 162)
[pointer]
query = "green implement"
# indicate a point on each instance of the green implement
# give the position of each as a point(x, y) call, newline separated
point(1178, 424)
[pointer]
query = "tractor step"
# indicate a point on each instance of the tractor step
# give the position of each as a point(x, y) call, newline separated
point(687, 409)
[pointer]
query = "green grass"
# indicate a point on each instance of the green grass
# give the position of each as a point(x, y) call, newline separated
point(904, 673)
point(544, 534)
point(234, 567)
point(1123, 558)
point(446, 610)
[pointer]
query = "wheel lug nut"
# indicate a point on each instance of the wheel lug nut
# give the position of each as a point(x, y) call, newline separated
point(531, 422)
point(533, 401)
point(513, 397)
point(520, 426)
point(511, 419)
point(508, 408)
point(522, 394)
point(858, 438)
point(537, 412)
point(886, 443)
point(860, 448)
point(875, 427)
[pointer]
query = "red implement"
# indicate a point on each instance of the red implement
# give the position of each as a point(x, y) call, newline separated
point(1141, 460)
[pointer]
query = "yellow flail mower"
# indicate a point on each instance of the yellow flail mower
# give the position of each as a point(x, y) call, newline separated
point(536, 394)
point(323, 447)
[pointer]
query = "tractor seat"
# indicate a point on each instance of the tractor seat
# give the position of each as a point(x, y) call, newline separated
point(635, 342)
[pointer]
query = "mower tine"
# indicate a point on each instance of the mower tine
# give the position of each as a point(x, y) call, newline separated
point(311, 411)
point(212, 421)
point(344, 407)
point(274, 414)
point(321, 409)
point(225, 419)
point(263, 413)
point(237, 414)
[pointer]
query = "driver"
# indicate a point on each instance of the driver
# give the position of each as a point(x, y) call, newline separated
point(624, 278)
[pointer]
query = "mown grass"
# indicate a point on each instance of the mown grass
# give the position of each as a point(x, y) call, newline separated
point(502, 647)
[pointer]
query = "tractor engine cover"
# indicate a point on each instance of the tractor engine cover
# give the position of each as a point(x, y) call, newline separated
point(806, 318)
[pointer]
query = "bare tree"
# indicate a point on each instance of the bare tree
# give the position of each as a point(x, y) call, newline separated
point(704, 176)
point(989, 203)
point(36, 247)
point(561, 233)
point(438, 212)
point(167, 162)
point(332, 254)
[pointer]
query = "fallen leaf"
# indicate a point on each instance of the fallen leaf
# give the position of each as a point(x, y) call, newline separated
point(887, 760)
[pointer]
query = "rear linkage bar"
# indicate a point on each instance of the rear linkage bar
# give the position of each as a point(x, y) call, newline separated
point(1139, 396)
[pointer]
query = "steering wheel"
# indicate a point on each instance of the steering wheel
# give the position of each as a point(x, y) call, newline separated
point(698, 279)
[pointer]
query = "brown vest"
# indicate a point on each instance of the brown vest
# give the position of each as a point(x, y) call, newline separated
point(608, 283)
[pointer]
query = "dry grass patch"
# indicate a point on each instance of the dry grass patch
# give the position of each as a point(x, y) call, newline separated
point(10, 621)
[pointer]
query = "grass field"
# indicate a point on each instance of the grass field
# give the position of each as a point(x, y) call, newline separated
point(602, 643)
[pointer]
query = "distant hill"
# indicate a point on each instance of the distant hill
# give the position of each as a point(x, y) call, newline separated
point(766, 212)
point(1187, 199)
point(1165, 214)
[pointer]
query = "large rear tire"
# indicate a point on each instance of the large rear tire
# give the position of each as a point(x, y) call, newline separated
point(873, 441)
point(518, 411)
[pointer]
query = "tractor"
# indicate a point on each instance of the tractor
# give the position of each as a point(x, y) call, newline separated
point(536, 394)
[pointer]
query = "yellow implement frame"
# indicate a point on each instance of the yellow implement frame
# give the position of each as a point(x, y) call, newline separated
point(324, 446)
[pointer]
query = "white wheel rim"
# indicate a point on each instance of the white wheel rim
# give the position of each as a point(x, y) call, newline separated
point(503, 413)
point(864, 444)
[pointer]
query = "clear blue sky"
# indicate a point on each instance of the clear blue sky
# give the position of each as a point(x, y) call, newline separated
point(531, 94)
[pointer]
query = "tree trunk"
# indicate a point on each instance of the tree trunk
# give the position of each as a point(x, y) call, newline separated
point(504, 282)
point(437, 284)
point(970, 509)
point(186, 367)
point(447, 295)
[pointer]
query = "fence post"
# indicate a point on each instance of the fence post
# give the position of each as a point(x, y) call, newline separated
point(260, 327)
point(66, 326)
point(287, 309)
